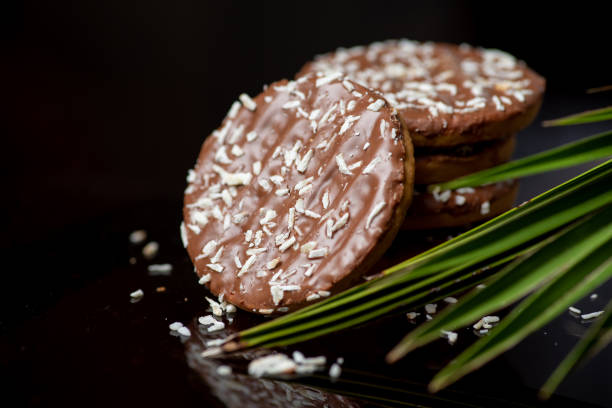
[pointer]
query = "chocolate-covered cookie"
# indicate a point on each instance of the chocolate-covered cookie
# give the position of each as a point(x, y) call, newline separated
point(297, 193)
point(455, 208)
point(446, 94)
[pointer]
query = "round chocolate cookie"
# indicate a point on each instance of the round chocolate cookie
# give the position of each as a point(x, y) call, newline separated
point(297, 193)
point(464, 206)
point(439, 165)
point(446, 94)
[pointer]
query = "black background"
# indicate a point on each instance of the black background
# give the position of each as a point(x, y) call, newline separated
point(106, 105)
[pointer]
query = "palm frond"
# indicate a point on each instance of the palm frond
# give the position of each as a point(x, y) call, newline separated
point(597, 337)
point(516, 280)
point(582, 268)
point(599, 89)
point(582, 151)
point(595, 115)
point(449, 267)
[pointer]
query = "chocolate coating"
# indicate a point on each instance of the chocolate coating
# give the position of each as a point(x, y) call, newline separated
point(301, 187)
point(446, 94)
point(464, 206)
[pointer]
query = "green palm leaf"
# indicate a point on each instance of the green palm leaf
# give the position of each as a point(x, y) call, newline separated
point(571, 154)
point(598, 337)
point(410, 282)
point(516, 280)
point(596, 115)
point(534, 312)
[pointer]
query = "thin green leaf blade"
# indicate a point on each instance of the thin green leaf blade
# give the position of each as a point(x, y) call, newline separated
point(596, 338)
point(511, 284)
point(582, 151)
point(566, 202)
point(595, 115)
point(531, 314)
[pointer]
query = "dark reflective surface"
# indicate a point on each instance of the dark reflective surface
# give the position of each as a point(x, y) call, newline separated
point(108, 106)
point(80, 340)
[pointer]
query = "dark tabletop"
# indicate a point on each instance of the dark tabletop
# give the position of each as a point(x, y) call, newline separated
point(108, 108)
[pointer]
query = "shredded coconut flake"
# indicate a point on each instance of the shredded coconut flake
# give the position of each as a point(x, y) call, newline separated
point(247, 102)
point(375, 106)
point(375, 211)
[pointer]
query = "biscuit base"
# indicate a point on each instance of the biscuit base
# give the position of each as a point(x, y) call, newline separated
point(427, 213)
point(438, 168)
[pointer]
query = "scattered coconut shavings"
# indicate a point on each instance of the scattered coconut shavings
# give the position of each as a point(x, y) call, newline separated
point(233, 110)
point(348, 85)
point(329, 78)
point(209, 248)
point(317, 253)
point(217, 256)
point(412, 315)
point(273, 263)
point(204, 279)
point(335, 371)
point(441, 197)
point(375, 211)
point(150, 250)
point(183, 234)
point(216, 267)
point(211, 352)
point(302, 164)
point(245, 267)
point(460, 200)
point(207, 320)
point(593, 296)
point(272, 365)
point(486, 322)
point(278, 365)
point(450, 300)
point(313, 296)
point(221, 156)
point(184, 331)
point(589, 316)
point(247, 102)
point(224, 370)
point(138, 236)
point(450, 336)
point(485, 208)
point(216, 307)
point(431, 308)
point(370, 167)
point(287, 244)
point(232, 179)
point(212, 323)
point(137, 294)
point(575, 310)
point(175, 326)
point(342, 167)
point(348, 122)
point(160, 269)
point(375, 106)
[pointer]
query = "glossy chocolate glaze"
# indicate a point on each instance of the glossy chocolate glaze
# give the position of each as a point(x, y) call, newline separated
point(321, 153)
point(448, 201)
point(447, 94)
point(461, 207)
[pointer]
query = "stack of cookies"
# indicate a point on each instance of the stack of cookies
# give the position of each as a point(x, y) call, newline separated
point(303, 187)
point(462, 107)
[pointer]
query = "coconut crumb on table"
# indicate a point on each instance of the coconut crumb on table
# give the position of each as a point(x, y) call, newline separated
point(137, 294)
point(138, 237)
point(150, 250)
